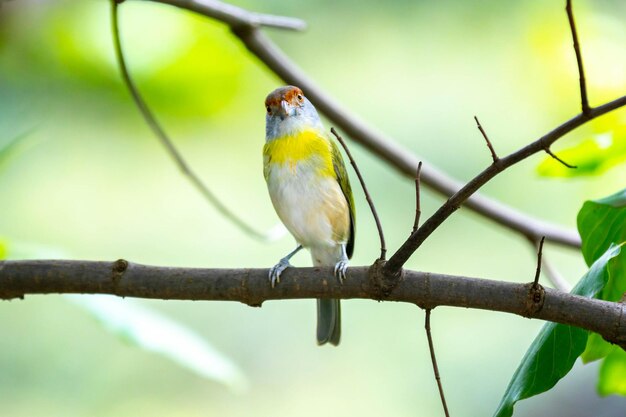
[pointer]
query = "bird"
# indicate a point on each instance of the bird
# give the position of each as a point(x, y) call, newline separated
point(310, 190)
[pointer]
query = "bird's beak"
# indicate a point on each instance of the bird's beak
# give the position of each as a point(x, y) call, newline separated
point(286, 108)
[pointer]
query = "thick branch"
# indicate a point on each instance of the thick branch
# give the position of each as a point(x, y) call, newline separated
point(379, 144)
point(454, 202)
point(251, 286)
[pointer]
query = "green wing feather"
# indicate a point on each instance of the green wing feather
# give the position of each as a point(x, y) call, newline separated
point(344, 182)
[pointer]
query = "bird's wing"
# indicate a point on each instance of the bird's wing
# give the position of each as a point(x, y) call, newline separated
point(344, 182)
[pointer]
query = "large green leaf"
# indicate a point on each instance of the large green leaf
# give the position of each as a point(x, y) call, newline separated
point(592, 156)
point(554, 351)
point(602, 223)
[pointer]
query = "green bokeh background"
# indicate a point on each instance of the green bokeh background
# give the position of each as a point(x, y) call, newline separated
point(91, 182)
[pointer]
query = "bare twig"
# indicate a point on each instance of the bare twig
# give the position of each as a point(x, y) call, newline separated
point(550, 271)
point(381, 235)
point(418, 203)
point(549, 152)
point(236, 16)
point(433, 359)
point(579, 59)
point(251, 286)
point(164, 138)
point(539, 256)
point(398, 259)
point(494, 156)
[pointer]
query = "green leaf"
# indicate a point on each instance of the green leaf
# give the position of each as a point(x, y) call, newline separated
point(613, 373)
point(554, 351)
point(592, 156)
point(154, 332)
point(601, 223)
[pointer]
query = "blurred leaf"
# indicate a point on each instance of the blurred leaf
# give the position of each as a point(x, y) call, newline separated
point(597, 348)
point(12, 147)
point(4, 250)
point(600, 223)
point(591, 156)
point(152, 331)
point(554, 351)
point(184, 64)
point(613, 373)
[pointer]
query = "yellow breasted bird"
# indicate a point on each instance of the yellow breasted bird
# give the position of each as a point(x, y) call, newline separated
point(310, 191)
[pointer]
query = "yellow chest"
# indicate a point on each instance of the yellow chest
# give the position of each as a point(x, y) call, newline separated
point(306, 148)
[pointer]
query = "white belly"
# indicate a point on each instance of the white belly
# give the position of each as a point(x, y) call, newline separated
point(305, 202)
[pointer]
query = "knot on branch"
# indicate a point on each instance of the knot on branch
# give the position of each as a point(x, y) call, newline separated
point(382, 280)
point(535, 296)
point(117, 271)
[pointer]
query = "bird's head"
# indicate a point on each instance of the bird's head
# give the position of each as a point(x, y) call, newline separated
point(289, 111)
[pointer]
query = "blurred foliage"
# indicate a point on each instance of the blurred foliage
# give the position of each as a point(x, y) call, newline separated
point(591, 156)
point(552, 354)
point(95, 184)
point(154, 332)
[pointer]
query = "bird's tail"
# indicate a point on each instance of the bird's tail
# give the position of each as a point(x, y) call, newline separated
point(328, 321)
point(328, 310)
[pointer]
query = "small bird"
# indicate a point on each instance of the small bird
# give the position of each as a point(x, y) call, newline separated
point(309, 188)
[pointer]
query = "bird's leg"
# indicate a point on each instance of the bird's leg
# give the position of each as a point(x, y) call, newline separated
point(342, 266)
point(281, 266)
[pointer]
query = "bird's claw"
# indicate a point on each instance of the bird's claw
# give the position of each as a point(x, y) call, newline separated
point(340, 270)
point(278, 269)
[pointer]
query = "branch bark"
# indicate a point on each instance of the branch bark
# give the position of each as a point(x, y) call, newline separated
point(251, 286)
point(246, 29)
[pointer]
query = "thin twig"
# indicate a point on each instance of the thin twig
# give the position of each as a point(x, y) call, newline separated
point(418, 204)
point(383, 247)
point(579, 59)
point(549, 152)
point(494, 156)
point(433, 359)
point(539, 256)
point(164, 138)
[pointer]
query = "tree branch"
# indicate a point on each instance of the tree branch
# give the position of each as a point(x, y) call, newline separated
point(251, 286)
point(368, 197)
point(377, 143)
point(579, 59)
point(236, 16)
point(453, 203)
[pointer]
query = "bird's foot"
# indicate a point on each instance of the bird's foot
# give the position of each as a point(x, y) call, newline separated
point(340, 270)
point(278, 269)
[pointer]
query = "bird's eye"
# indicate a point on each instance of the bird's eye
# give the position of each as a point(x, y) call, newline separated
point(269, 110)
point(300, 98)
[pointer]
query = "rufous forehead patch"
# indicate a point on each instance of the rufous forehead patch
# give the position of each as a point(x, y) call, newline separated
point(288, 93)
